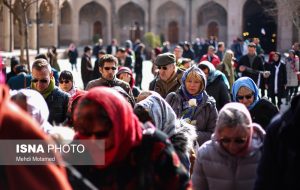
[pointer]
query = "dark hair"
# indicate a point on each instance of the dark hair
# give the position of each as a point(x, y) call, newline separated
point(67, 75)
point(86, 49)
point(13, 62)
point(142, 114)
point(107, 58)
point(41, 56)
point(21, 68)
point(203, 66)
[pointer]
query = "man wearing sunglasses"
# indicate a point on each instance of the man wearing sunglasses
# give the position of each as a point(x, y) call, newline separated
point(169, 77)
point(43, 82)
point(108, 69)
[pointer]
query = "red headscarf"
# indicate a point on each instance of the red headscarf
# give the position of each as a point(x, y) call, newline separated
point(126, 127)
point(15, 124)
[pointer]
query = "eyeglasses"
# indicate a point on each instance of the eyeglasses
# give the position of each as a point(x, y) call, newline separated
point(37, 80)
point(162, 67)
point(110, 68)
point(249, 96)
point(238, 141)
point(64, 81)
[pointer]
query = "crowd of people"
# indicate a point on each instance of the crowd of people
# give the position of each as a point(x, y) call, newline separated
point(209, 120)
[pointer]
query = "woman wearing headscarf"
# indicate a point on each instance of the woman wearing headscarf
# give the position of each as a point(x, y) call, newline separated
point(16, 124)
point(35, 105)
point(182, 135)
point(277, 80)
point(217, 84)
point(245, 91)
point(229, 160)
point(292, 69)
point(133, 158)
point(191, 103)
point(125, 74)
point(227, 67)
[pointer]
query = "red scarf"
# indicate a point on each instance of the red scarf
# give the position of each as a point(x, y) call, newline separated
point(126, 127)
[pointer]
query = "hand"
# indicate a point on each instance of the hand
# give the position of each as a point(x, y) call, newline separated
point(242, 68)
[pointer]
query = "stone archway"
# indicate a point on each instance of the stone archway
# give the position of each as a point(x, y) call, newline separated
point(173, 32)
point(258, 23)
point(89, 14)
point(170, 18)
point(16, 28)
point(65, 28)
point(132, 22)
point(97, 29)
point(46, 23)
point(212, 21)
point(213, 29)
point(296, 32)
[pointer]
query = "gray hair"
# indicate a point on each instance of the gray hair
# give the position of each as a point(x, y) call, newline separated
point(233, 115)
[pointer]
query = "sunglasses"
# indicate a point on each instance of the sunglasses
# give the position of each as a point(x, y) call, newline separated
point(238, 141)
point(37, 80)
point(162, 67)
point(64, 81)
point(110, 68)
point(249, 96)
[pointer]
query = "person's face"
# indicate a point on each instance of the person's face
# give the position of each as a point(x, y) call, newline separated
point(165, 72)
point(94, 125)
point(108, 70)
point(276, 57)
point(193, 85)
point(41, 79)
point(233, 140)
point(125, 77)
point(211, 52)
point(245, 96)
point(251, 50)
point(206, 72)
point(100, 55)
point(222, 48)
point(187, 65)
point(65, 84)
point(178, 53)
point(292, 55)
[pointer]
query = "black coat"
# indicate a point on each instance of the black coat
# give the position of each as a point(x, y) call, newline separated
point(57, 103)
point(254, 70)
point(263, 112)
point(219, 90)
point(281, 80)
point(279, 165)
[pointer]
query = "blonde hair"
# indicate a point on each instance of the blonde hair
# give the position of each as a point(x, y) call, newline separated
point(228, 56)
point(40, 64)
point(195, 75)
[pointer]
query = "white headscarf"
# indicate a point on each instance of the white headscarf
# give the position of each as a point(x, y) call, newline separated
point(36, 107)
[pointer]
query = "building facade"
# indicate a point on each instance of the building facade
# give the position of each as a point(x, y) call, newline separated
point(61, 22)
